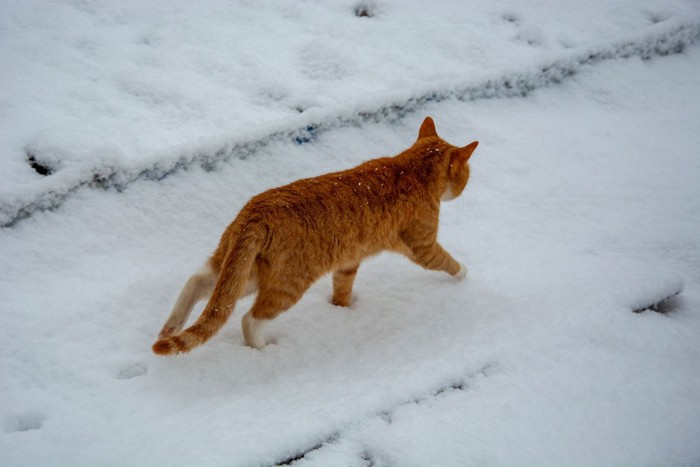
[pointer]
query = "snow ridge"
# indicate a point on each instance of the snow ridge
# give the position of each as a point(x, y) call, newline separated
point(667, 37)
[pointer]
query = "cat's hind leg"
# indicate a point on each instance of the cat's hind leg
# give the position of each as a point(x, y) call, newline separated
point(199, 286)
point(270, 303)
point(252, 331)
point(343, 280)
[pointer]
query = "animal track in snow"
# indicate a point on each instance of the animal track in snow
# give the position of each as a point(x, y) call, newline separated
point(366, 9)
point(656, 16)
point(527, 33)
point(531, 35)
point(38, 166)
point(511, 18)
point(132, 371)
point(26, 422)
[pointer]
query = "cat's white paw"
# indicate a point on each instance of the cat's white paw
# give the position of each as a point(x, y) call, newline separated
point(462, 273)
point(256, 344)
point(252, 331)
point(166, 331)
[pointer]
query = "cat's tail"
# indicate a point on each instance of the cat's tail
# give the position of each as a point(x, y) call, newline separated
point(233, 277)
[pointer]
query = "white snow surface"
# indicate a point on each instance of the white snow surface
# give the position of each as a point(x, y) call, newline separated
point(583, 205)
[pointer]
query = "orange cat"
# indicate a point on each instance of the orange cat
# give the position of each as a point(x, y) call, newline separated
point(284, 239)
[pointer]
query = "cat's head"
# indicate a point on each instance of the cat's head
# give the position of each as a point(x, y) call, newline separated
point(457, 169)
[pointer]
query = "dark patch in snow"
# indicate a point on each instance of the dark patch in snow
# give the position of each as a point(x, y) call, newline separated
point(661, 39)
point(386, 416)
point(656, 17)
point(306, 135)
point(511, 18)
point(42, 168)
point(664, 306)
point(368, 459)
point(301, 454)
point(27, 422)
point(460, 386)
point(365, 9)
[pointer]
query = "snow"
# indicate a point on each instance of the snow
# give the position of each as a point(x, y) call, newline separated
point(583, 205)
point(132, 72)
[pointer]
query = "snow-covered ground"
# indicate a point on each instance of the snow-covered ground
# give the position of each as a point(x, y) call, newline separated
point(584, 204)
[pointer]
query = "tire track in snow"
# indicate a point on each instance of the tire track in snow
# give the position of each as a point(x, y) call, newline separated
point(663, 38)
point(456, 385)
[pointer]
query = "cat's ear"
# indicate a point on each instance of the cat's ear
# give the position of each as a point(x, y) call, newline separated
point(462, 156)
point(466, 151)
point(427, 129)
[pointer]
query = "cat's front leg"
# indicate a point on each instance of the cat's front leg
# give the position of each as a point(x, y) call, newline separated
point(431, 255)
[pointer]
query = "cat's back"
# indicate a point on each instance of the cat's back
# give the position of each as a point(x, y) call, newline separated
point(327, 195)
point(354, 205)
